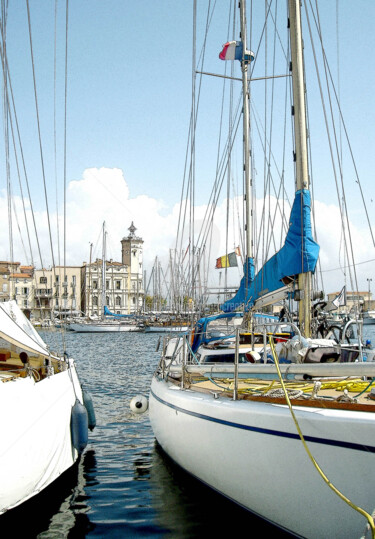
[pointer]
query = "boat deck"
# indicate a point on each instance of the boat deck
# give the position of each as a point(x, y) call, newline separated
point(350, 393)
point(12, 367)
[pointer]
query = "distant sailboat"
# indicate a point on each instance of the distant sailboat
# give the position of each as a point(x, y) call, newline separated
point(108, 322)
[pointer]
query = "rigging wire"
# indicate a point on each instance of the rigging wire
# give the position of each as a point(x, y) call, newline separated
point(65, 132)
point(55, 133)
point(347, 139)
point(344, 204)
point(39, 133)
point(6, 136)
point(9, 83)
point(229, 157)
point(343, 209)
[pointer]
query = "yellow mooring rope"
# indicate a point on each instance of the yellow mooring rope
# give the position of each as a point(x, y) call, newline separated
point(325, 478)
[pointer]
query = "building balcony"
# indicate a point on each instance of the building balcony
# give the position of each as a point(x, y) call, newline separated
point(43, 293)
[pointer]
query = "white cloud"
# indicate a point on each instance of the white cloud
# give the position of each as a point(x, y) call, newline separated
point(103, 195)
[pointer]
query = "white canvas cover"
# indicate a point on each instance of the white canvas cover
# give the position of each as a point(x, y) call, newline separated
point(35, 447)
point(16, 329)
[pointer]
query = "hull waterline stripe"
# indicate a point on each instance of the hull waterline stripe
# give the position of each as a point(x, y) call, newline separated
point(270, 432)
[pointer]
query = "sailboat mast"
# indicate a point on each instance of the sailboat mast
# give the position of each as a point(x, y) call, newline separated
point(246, 145)
point(302, 176)
point(103, 271)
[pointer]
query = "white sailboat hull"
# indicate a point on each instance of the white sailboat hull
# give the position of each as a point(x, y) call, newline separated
point(36, 443)
point(102, 328)
point(369, 318)
point(251, 452)
point(165, 329)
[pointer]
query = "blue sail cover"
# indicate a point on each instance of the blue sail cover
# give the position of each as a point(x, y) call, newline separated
point(107, 312)
point(299, 254)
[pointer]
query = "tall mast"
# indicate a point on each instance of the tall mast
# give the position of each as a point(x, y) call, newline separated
point(302, 176)
point(89, 294)
point(103, 271)
point(245, 94)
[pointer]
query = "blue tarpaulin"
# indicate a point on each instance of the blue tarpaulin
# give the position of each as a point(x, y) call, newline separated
point(107, 312)
point(299, 254)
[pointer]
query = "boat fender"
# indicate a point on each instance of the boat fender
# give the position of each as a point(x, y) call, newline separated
point(79, 426)
point(138, 404)
point(89, 405)
point(253, 357)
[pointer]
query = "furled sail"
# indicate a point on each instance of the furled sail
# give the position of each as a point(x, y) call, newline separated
point(299, 254)
point(107, 312)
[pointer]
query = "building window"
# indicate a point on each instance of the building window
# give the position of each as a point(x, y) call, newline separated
point(95, 301)
point(43, 280)
point(56, 279)
point(74, 279)
point(118, 301)
point(107, 285)
point(95, 285)
point(118, 285)
point(25, 302)
point(5, 287)
point(25, 290)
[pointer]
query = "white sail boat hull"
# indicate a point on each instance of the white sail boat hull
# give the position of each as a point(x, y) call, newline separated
point(166, 329)
point(102, 327)
point(36, 445)
point(251, 453)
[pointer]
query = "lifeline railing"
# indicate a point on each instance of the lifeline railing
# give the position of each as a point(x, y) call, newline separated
point(181, 357)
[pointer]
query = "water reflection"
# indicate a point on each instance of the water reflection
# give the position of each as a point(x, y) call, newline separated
point(142, 467)
point(186, 508)
point(58, 511)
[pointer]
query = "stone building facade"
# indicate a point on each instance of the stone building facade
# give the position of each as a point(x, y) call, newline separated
point(77, 290)
point(123, 287)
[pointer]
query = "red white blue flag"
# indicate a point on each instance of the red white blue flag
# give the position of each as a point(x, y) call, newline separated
point(231, 51)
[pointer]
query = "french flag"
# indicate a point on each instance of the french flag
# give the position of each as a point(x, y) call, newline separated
point(232, 51)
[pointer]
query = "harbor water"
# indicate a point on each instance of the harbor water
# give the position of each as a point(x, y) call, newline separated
point(124, 485)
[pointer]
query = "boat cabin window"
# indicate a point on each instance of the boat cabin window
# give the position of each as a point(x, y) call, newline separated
point(223, 358)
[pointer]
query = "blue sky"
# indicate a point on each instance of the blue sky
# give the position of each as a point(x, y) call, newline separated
point(129, 84)
point(129, 98)
point(129, 88)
